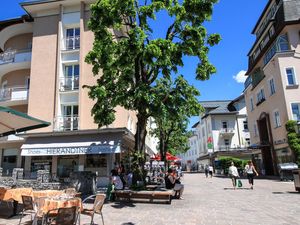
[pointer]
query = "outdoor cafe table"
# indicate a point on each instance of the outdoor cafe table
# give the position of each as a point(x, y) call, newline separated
point(15, 193)
point(56, 203)
point(47, 193)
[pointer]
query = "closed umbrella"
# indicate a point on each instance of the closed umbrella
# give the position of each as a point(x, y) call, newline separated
point(12, 122)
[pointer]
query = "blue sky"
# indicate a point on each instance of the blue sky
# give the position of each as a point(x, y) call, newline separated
point(234, 21)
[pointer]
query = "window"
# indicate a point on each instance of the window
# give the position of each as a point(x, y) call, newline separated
point(295, 111)
point(280, 45)
point(272, 86)
point(260, 96)
point(255, 130)
point(245, 123)
point(96, 161)
point(226, 142)
point(248, 141)
point(224, 125)
point(290, 76)
point(251, 104)
point(71, 78)
point(277, 119)
point(72, 38)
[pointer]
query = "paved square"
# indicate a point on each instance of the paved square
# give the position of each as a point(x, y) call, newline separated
point(210, 201)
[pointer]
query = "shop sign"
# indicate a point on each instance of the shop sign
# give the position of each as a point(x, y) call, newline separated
point(102, 149)
point(209, 143)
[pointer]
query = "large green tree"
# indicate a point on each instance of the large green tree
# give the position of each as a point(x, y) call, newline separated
point(175, 103)
point(132, 59)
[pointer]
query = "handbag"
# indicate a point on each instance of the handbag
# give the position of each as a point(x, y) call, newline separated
point(239, 183)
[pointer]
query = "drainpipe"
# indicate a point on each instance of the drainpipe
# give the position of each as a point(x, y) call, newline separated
point(238, 130)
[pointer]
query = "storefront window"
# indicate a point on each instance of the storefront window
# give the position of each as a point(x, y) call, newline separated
point(96, 161)
point(66, 165)
point(41, 163)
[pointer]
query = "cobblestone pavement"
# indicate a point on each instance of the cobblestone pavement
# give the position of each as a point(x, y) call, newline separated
point(210, 201)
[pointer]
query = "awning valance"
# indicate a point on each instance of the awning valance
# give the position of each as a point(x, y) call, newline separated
point(71, 148)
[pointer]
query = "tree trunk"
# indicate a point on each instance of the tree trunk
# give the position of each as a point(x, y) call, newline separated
point(140, 147)
point(162, 148)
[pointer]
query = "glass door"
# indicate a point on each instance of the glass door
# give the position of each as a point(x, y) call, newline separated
point(72, 38)
point(70, 117)
point(71, 77)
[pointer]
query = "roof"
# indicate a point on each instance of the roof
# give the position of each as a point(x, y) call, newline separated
point(12, 21)
point(196, 124)
point(217, 107)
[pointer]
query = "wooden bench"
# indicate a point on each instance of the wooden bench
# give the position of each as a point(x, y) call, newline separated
point(152, 196)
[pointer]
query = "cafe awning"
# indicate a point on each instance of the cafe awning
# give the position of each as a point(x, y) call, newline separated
point(75, 148)
point(12, 122)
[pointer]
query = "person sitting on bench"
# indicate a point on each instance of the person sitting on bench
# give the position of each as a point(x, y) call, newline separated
point(173, 182)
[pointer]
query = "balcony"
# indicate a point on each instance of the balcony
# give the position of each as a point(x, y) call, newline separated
point(71, 43)
point(66, 123)
point(14, 95)
point(257, 76)
point(226, 132)
point(12, 59)
point(69, 84)
point(223, 148)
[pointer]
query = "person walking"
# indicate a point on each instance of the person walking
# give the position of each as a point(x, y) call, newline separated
point(250, 171)
point(234, 174)
point(206, 170)
point(210, 170)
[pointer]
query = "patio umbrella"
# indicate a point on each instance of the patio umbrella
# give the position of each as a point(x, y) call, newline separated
point(12, 122)
point(169, 157)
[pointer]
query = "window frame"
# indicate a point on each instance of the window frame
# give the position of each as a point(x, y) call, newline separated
point(293, 76)
point(298, 116)
point(272, 86)
point(276, 118)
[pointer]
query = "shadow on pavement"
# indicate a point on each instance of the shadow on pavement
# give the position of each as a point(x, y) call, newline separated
point(241, 188)
point(286, 192)
point(128, 223)
point(120, 205)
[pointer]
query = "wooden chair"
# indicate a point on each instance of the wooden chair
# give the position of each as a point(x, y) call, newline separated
point(97, 207)
point(64, 216)
point(28, 207)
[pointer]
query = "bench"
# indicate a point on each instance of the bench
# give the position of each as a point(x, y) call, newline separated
point(152, 196)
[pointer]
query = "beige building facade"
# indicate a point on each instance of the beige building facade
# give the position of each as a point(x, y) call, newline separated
point(272, 87)
point(42, 71)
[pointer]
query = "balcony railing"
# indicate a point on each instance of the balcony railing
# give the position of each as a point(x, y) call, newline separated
point(14, 93)
point(229, 148)
point(227, 131)
point(13, 55)
point(71, 43)
point(69, 84)
point(66, 123)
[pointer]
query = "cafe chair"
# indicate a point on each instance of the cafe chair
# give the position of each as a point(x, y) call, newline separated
point(64, 216)
point(28, 207)
point(97, 207)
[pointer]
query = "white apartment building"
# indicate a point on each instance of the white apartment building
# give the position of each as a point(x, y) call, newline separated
point(189, 158)
point(223, 130)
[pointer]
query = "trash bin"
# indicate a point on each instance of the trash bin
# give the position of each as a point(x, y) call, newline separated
point(286, 170)
point(296, 174)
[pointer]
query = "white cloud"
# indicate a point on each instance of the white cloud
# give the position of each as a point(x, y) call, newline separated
point(240, 77)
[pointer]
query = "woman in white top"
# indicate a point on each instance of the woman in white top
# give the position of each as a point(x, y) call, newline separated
point(250, 170)
point(116, 180)
point(233, 173)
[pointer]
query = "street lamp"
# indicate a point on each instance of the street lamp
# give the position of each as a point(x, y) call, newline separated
point(297, 127)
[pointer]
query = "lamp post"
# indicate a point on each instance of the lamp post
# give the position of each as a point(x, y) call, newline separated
point(297, 127)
